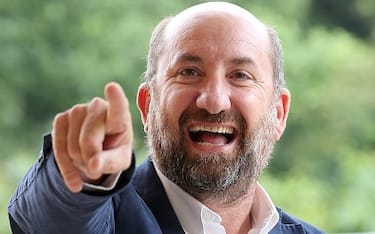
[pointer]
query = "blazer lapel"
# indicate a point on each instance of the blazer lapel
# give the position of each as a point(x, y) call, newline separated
point(151, 190)
point(288, 225)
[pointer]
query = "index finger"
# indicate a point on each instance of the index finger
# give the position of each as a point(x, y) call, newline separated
point(118, 116)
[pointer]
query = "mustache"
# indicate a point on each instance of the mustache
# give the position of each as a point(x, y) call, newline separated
point(204, 116)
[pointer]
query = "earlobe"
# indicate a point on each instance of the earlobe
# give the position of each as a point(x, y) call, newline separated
point(282, 112)
point(143, 103)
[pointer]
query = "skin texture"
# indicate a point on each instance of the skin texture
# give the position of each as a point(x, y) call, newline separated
point(214, 71)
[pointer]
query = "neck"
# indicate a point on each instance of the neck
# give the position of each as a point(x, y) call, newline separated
point(236, 216)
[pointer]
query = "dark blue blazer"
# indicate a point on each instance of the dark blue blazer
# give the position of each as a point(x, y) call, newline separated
point(138, 204)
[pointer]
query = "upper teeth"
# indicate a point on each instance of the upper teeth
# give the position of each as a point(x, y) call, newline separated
point(222, 130)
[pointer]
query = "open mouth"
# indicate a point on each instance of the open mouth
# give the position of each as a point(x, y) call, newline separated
point(209, 135)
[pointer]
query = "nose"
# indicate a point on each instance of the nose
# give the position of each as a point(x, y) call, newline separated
point(214, 96)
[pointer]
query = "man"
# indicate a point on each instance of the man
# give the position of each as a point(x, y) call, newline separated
point(213, 104)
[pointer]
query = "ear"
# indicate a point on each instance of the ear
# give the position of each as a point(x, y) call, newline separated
point(282, 111)
point(143, 103)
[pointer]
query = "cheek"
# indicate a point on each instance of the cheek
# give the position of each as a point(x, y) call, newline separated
point(252, 107)
point(174, 101)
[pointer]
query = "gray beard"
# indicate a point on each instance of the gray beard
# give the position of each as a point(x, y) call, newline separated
point(223, 177)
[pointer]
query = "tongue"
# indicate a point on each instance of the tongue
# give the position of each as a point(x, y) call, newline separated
point(212, 138)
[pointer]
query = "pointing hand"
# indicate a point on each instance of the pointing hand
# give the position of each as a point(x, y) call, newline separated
point(93, 139)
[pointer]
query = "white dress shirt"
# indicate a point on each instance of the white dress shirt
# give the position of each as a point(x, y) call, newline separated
point(196, 218)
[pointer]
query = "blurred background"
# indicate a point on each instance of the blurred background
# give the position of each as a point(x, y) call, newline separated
point(54, 54)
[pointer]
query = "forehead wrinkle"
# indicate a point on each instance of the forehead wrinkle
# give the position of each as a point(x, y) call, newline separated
point(189, 57)
point(242, 61)
point(236, 59)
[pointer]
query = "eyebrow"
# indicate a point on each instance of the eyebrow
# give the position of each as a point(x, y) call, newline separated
point(242, 61)
point(188, 57)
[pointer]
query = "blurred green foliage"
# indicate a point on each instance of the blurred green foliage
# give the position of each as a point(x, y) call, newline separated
point(54, 54)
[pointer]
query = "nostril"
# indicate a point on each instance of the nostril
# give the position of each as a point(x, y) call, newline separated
point(214, 103)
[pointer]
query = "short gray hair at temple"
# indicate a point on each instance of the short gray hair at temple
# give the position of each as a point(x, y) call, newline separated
point(156, 48)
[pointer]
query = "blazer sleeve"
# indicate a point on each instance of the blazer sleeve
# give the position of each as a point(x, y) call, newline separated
point(43, 204)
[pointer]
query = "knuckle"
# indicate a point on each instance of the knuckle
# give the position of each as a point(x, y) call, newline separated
point(78, 109)
point(60, 118)
point(96, 107)
point(96, 104)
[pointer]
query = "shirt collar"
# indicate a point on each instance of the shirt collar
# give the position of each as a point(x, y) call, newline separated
point(263, 212)
point(195, 217)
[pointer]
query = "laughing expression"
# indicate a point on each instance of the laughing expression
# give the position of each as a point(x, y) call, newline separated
point(211, 114)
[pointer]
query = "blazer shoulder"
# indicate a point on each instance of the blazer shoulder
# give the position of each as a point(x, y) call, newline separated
point(290, 224)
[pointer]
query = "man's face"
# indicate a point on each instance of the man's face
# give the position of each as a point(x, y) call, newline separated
point(212, 116)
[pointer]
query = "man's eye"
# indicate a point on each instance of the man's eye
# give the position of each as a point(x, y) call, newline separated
point(188, 72)
point(241, 76)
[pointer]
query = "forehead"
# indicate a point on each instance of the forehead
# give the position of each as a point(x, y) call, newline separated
point(226, 30)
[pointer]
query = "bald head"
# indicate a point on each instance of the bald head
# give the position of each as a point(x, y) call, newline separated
point(216, 20)
point(196, 13)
